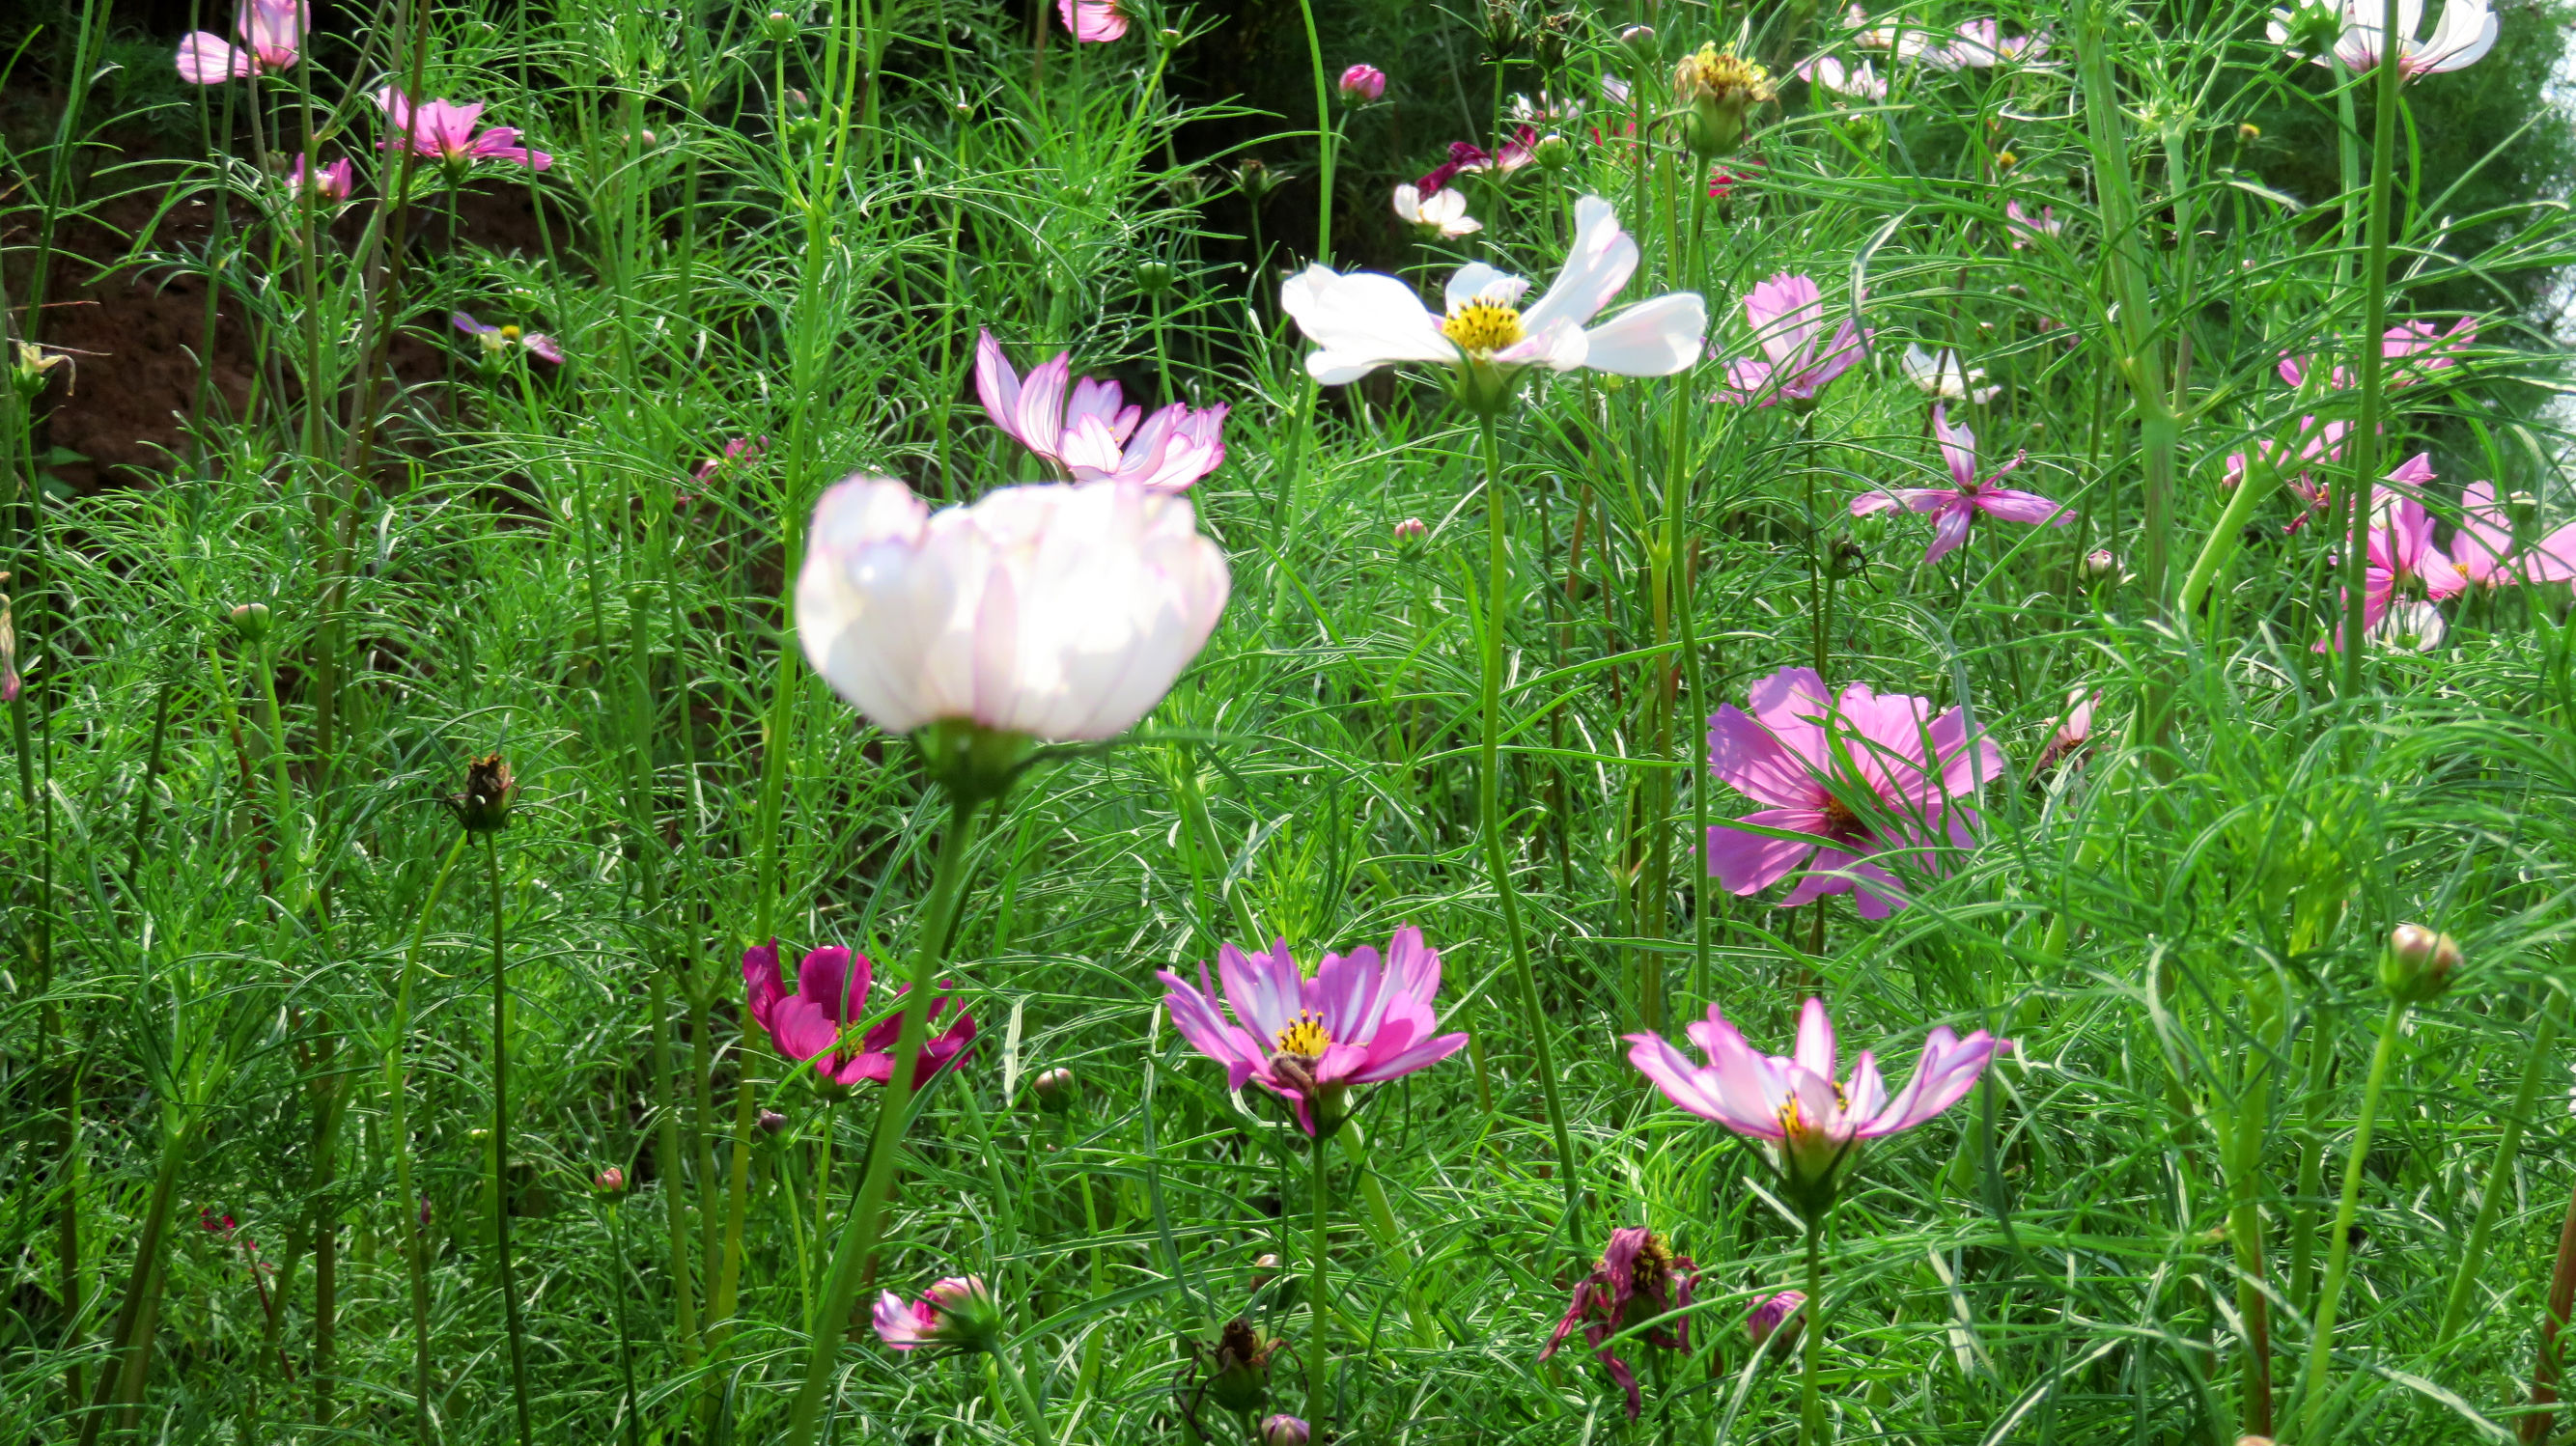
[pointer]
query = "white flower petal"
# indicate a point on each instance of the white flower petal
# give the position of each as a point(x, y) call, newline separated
point(1601, 260)
point(1654, 338)
point(1361, 321)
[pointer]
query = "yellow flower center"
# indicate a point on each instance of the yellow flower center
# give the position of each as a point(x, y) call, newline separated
point(1721, 76)
point(509, 333)
point(1482, 328)
point(1307, 1037)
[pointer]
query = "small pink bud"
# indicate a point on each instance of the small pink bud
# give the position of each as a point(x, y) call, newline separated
point(1055, 1090)
point(610, 1181)
point(2100, 564)
point(1283, 1430)
point(1410, 532)
point(2419, 963)
point(1264, 1271)
point(1770, 1312)
point(772, 1122)
point(1362, 85)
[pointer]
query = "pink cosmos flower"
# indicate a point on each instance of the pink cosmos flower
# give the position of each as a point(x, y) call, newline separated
point(1363, 85)
point(2403, 344)
point(1953, 508)
point(1361, 1020)
point(1982, 45)
point(2021, 227)
point(1852, 776)
point(273, 29)
point(338, 179)
point(444, 131)
point(1097, 437)
point(2484, 545)
point(1788, 316)
point(832, 987)
point(1092, 21)
point(2314, 444)
point(497, 339)
point(2463, 36)
point(2074, 736)
point(1768, 1314)
point(1815, 1125)
point(1466, 156)
point(2404, 567)
point(1862, 81)
point(957, 1311)
point(1639, 1279)
point(739, 452)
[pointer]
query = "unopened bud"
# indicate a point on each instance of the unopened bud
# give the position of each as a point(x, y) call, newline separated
point(610, 1181)
point(1363, 85)
point(2006, 160)
point(490, 790)
point(1056, 1090)
point(1640, 40)
point(2100, 564)
point(1410, 532)
point(799, 104)
point(778, 25)
point(2418, 963)
point(251, 621)
point(1155, 278)
point(424, 1212)
point(1283, 1430)
point(772, 1122)
point(1264, 1270)
point(1554, 152)
point(2249, 133)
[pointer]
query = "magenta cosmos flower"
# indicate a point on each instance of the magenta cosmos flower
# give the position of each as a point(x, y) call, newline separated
point(2484, 550)
point(1639, 1279)
point(1814, 1124)
point(832, 993)
point(1851, 777)
point(1770, 1312)
point(1361, 1020)
point(1788, 316)
point(338, 179)
point(1092, 21)
point(1466, 156)
point(1952, 508)
point(444, 131)
point(2022, 227)
point(1096, 437)
point(1363, 85)
point(2404, 567)
point(958, 1312)
point(271, 30)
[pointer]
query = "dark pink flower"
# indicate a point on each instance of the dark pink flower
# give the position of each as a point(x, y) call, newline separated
point(1862, 780)
point(1095, 436)
point(273, 29)
point(1639, 1279)
point(2404, 567)
point(1363, 84)
point(1516, 152)
point(1770, 1312)
point(445, 132)
point(2417, 349)
point(1092, 21)
point(1361, 1020)
point(739, 452)
point(958, 1311)
point(1788, 316)
point(338, 179)
point(2484, 548)
point(809, 1026)
point(1953, 508)
point(1814, 1123)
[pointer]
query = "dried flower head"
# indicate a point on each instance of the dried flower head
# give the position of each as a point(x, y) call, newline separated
point(484, 806)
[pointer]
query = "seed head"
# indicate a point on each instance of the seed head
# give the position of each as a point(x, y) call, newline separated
point(1239, 1377)
point(484, 806)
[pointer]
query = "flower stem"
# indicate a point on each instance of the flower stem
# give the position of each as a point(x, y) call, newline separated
point(501, 1154)
point(2312, 1381)
point(1317, 1363)
point(1811, 1401)
point(859, 1230)
point(1326, 133)
point(1032, 1410)
point(625, 1346)
point(1498, 600)
point(2464, 1280)
point(398, 1133)
point(2374, 319)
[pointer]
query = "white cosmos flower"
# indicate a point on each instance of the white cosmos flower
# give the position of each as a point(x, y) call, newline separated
point(1444, 210)
point(1939, 376)
point(2464, 34)
point(1063, 612)
point(1363, 320)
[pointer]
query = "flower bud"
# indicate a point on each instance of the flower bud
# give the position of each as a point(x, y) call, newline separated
point(611, 1181)
point(1264, 1270)
point(1283, 1430)
point(424, 1212)
point(1155, 278)
point(1715, 88)
point(2249, 133)
point(1770, 1311)
point(1056, 1090)
point(1640, 40)
point(778, 25)
point(2099, 565)
point(2418, 963)
point(1553, 152)
point(772, 1122)
point(1410, 532)
point(2006, 160)
point(1254, 179)
point(251, 621)
point(484, 805)
point(1363, 85)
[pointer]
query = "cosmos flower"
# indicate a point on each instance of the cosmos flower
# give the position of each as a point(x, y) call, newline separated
point(1092, 21)
point(1952, 508)
point(2315, 444)
point(1638, 1279)
point(1364, 320)
point(2021, 227)
point(2416, 348)
point(832, 986)
point(1056, 612)
point(1982, 45)
point(1361, 1020)
point(1861, 82)
point(957, 1312)
point(1466, 156)
point(1096, 437)
point(1939, 376)
point(2074, 736)
point(271, 29)
point(1788, 316)
point(498, 339)
point(338, 179)
point(1863, 779)
point(1815, 1124)
point(1770, 1312)
point(444, 131)
point(2464, 34)
point(2404, 567)
point(2485, 552)
point(1442, 212)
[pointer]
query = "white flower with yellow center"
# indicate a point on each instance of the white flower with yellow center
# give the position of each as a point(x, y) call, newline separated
point(1364, 320)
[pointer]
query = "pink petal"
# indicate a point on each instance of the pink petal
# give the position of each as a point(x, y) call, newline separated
point(1958, 447)
point(1816, 1039)
point(1747, 863)
point(2012, 506)
point(1949, 531)
point(1752, 760)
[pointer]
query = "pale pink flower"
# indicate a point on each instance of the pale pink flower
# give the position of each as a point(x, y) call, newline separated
point(809, 1025)
point(444, 131)
point(1770, 1312)
point(1982, 45)
point(1860, 782)
point(271, 29)
point(1096, 437)
point(1953, 508)
point(497, 339)
point(2463, 36)
point(1860, 81)
point(2416, 347)
point(2021, 227)
point(1788, 316)
point(1361, 1020)
point(2484, 550)
point(958, 1311)
point(1092, 21)
point(338, 179)
point(1638, 1280)
point(1816, 1125)
point(1442, 212)
point(2404, 567)
point(1363, 84)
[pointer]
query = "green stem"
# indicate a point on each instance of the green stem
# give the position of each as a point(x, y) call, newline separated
point(859, 1231)
point(397, 1127)
point(1811, 1401)
point(1326, 135)
point(501, 1153)
point(625, 1347)
point(1318, 1362)
point(2374, 314)
point(2312, 1381)
point(1498, 600)
point(2464, 1280)
point(1032, 1409)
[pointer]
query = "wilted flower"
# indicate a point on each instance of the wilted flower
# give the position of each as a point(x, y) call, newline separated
point(2418, 963)
point(2464, 34)
point(1363, 84)
point(1952, 508)
point(1465, 156)
point(1816, 1125)
point(1441, 212)
point(490, 790)
point(2021, 227)
point(499, 339)
point(811, 1025)
point(1239, 1368)
point(1361, 1020)
point(1638, 1279)
point(444, 131)
point(1093, 21)
point(1865, 778)
point(1056, 612)
point(1364, 320)
point(271, 31)
point(2484, 550)
point(1283, 1430)
point(1714, 89)
point(1788, 316)
point(338, 179)
point(2074, 735)
point(957, 1312)
point(1096, 437)
point(1938, 375)
point(1770, 1312)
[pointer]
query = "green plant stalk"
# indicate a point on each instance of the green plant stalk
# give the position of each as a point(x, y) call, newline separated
point(1318, 1358)
point(501, 1153)
point(1489, 787)
point(1032, 1410)
point(2312, 1380)
point(1811, 1401)
point(130, 1341)
point(625, 1343)
point(675, 1208)
point(2355, 504)
point(2242, 1131)
point(2225, 536)
point(1327, 135)
point(859, 1232)
point(2464, 1280)
point(398, 1130)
